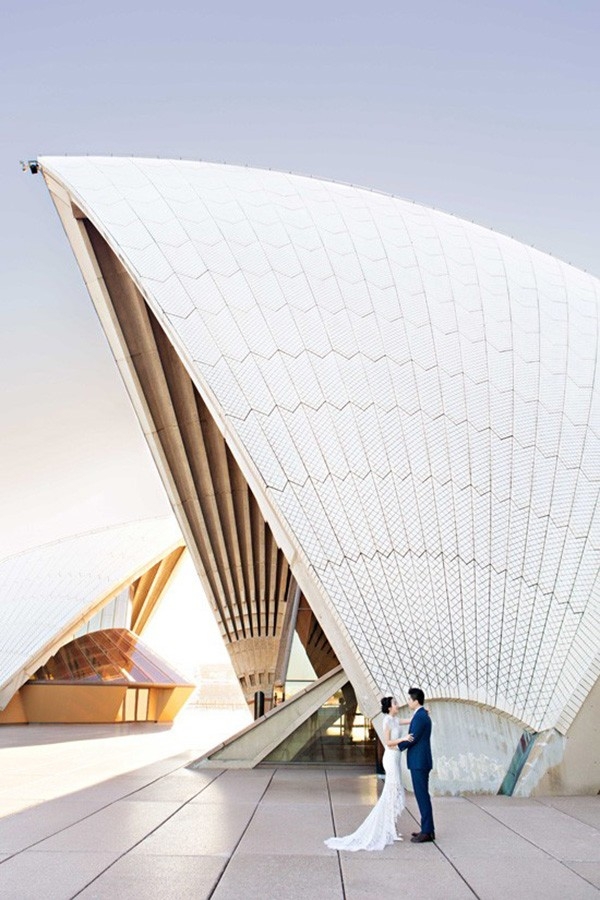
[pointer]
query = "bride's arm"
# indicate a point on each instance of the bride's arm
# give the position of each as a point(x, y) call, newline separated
point(387, 734)
point(394, 742)
point(388, 740)
point(406, 740)
point(408, 721)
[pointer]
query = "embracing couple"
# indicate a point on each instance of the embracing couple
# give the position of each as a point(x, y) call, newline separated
point(379, 828)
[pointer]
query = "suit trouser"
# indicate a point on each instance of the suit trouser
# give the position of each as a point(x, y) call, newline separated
point(420, 780)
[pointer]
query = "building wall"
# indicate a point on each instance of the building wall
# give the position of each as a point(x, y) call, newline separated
point(575, 770)
point(472, 748)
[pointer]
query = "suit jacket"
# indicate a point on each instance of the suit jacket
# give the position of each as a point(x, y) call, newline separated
point(418, 751)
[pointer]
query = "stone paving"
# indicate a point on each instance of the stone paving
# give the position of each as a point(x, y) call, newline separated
point(88, 822)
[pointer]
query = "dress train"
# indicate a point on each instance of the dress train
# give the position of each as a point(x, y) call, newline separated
point(379, 828)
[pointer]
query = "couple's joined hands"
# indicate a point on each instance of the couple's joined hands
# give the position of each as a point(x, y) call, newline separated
point(394, 744)
point(409, 737)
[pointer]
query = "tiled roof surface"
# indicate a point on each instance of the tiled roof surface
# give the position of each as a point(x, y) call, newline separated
point(419, 396)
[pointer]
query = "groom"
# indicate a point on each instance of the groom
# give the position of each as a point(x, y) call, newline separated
point(418, 760)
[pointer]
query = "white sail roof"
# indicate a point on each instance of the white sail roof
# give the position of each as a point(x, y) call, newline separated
point(418, 397)
point(48, 592)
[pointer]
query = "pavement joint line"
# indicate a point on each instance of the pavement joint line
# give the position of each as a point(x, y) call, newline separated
point(406, 809)
point(131, 774)
point(529, 841)
point(155, 776)
point(458, 872)
point(564, 812)
point(141, 840)
point(339, 861)
point(100, 808)
point(575, 872)
point(231, 855)
point(487, 812)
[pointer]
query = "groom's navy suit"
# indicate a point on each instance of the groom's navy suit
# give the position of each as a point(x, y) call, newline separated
point(418, 760)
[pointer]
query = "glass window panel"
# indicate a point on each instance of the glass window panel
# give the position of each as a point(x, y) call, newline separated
point(112, 655)
point(142, 704)
point(336, 733)
point(130, 698)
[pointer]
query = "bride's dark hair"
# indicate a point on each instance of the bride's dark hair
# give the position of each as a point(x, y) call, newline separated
point(386, 702)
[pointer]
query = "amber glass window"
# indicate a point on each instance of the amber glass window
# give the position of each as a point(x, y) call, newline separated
point(112, 656)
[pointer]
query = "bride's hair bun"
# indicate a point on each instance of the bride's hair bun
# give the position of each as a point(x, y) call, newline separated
point(386, 702)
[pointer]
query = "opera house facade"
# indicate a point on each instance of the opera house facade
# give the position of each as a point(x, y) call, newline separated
point(378, 426)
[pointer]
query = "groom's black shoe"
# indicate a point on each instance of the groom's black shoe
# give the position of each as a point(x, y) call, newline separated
point(419, 833)
point(421, 838)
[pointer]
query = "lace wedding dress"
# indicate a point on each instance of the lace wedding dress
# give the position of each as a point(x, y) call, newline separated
point(379, 828)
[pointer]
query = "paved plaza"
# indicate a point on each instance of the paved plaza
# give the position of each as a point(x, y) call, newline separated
point(113, 812)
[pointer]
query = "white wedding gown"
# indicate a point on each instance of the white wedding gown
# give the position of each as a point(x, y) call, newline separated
point(379, 828)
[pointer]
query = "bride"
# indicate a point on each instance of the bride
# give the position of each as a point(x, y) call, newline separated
point(379, 828)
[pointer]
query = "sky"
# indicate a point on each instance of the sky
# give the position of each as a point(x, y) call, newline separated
point(488, 110)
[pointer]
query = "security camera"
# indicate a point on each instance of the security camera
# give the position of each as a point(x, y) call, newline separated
point(31, 164)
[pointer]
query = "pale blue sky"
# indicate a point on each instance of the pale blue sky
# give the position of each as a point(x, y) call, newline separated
point(485, 109)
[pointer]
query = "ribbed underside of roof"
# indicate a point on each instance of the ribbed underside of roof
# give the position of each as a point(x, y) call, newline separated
point(412, 400)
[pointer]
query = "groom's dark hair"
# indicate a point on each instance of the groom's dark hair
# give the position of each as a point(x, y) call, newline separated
point(417, 694)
